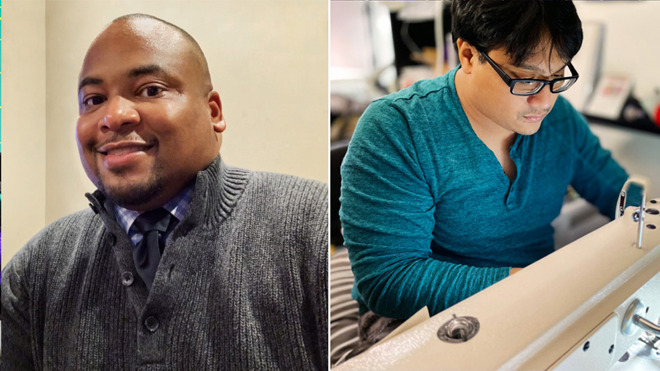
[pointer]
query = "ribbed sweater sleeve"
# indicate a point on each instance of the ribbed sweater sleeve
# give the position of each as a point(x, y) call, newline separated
point(302, 261)
point(16, 332)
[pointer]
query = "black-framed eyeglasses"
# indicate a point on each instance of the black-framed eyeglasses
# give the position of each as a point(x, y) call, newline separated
point(528, 87)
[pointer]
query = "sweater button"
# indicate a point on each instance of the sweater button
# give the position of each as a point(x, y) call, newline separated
point(112, 239)
point(127, 278)
point(151, 323)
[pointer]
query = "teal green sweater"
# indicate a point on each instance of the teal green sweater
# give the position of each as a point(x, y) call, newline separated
point(428, 215)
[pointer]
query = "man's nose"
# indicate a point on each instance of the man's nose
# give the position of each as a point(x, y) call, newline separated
point(120, 112)
point(541, 100)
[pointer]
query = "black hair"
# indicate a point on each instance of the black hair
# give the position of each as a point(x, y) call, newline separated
point(518, 26)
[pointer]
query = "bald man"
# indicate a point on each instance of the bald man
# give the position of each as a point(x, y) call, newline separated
point(182, 262)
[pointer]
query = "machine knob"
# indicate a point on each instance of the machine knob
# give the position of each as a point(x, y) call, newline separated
point(635, 309)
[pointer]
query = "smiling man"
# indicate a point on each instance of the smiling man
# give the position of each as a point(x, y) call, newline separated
point(182, 262)
point(451, 185)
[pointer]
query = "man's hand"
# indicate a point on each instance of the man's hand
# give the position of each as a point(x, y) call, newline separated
point(514, 270)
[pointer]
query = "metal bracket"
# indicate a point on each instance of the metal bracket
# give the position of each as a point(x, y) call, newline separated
point(638, 215)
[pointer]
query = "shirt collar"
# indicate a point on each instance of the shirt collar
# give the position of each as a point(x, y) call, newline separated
point(177, 206)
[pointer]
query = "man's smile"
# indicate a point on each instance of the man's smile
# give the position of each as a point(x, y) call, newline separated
point(123, 153)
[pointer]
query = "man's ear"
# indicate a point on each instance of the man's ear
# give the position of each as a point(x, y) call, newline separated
point(215, 108)
point(467, 55)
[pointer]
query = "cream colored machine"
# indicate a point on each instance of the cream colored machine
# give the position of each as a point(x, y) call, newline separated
point(584, 307)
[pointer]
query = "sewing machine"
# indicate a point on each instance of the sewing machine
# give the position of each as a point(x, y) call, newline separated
point(592, 305)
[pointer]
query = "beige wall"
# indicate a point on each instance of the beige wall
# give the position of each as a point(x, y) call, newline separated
point(23, 123)
point(632, 36)
point(268, 60)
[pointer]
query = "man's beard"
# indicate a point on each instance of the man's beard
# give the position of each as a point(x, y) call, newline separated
point(133, 195)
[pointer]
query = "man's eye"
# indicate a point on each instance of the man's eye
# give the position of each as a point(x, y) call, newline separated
point(93, 100)
point(151, 91)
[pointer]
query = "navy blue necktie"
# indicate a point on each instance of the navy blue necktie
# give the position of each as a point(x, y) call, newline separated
point(152, 225)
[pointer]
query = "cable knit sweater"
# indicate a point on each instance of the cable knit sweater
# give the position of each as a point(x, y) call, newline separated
point(242, 285)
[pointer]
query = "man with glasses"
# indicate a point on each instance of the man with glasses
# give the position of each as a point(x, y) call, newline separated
point(451, 185)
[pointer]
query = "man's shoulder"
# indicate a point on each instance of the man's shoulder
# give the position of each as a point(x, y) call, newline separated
point(271, 178)
point(280, 186)
point(274, 194)
point(239, 180)
point(56, 239)
point(73, 223)
point(420, 90)
point(423, 102)
point(287, 206)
